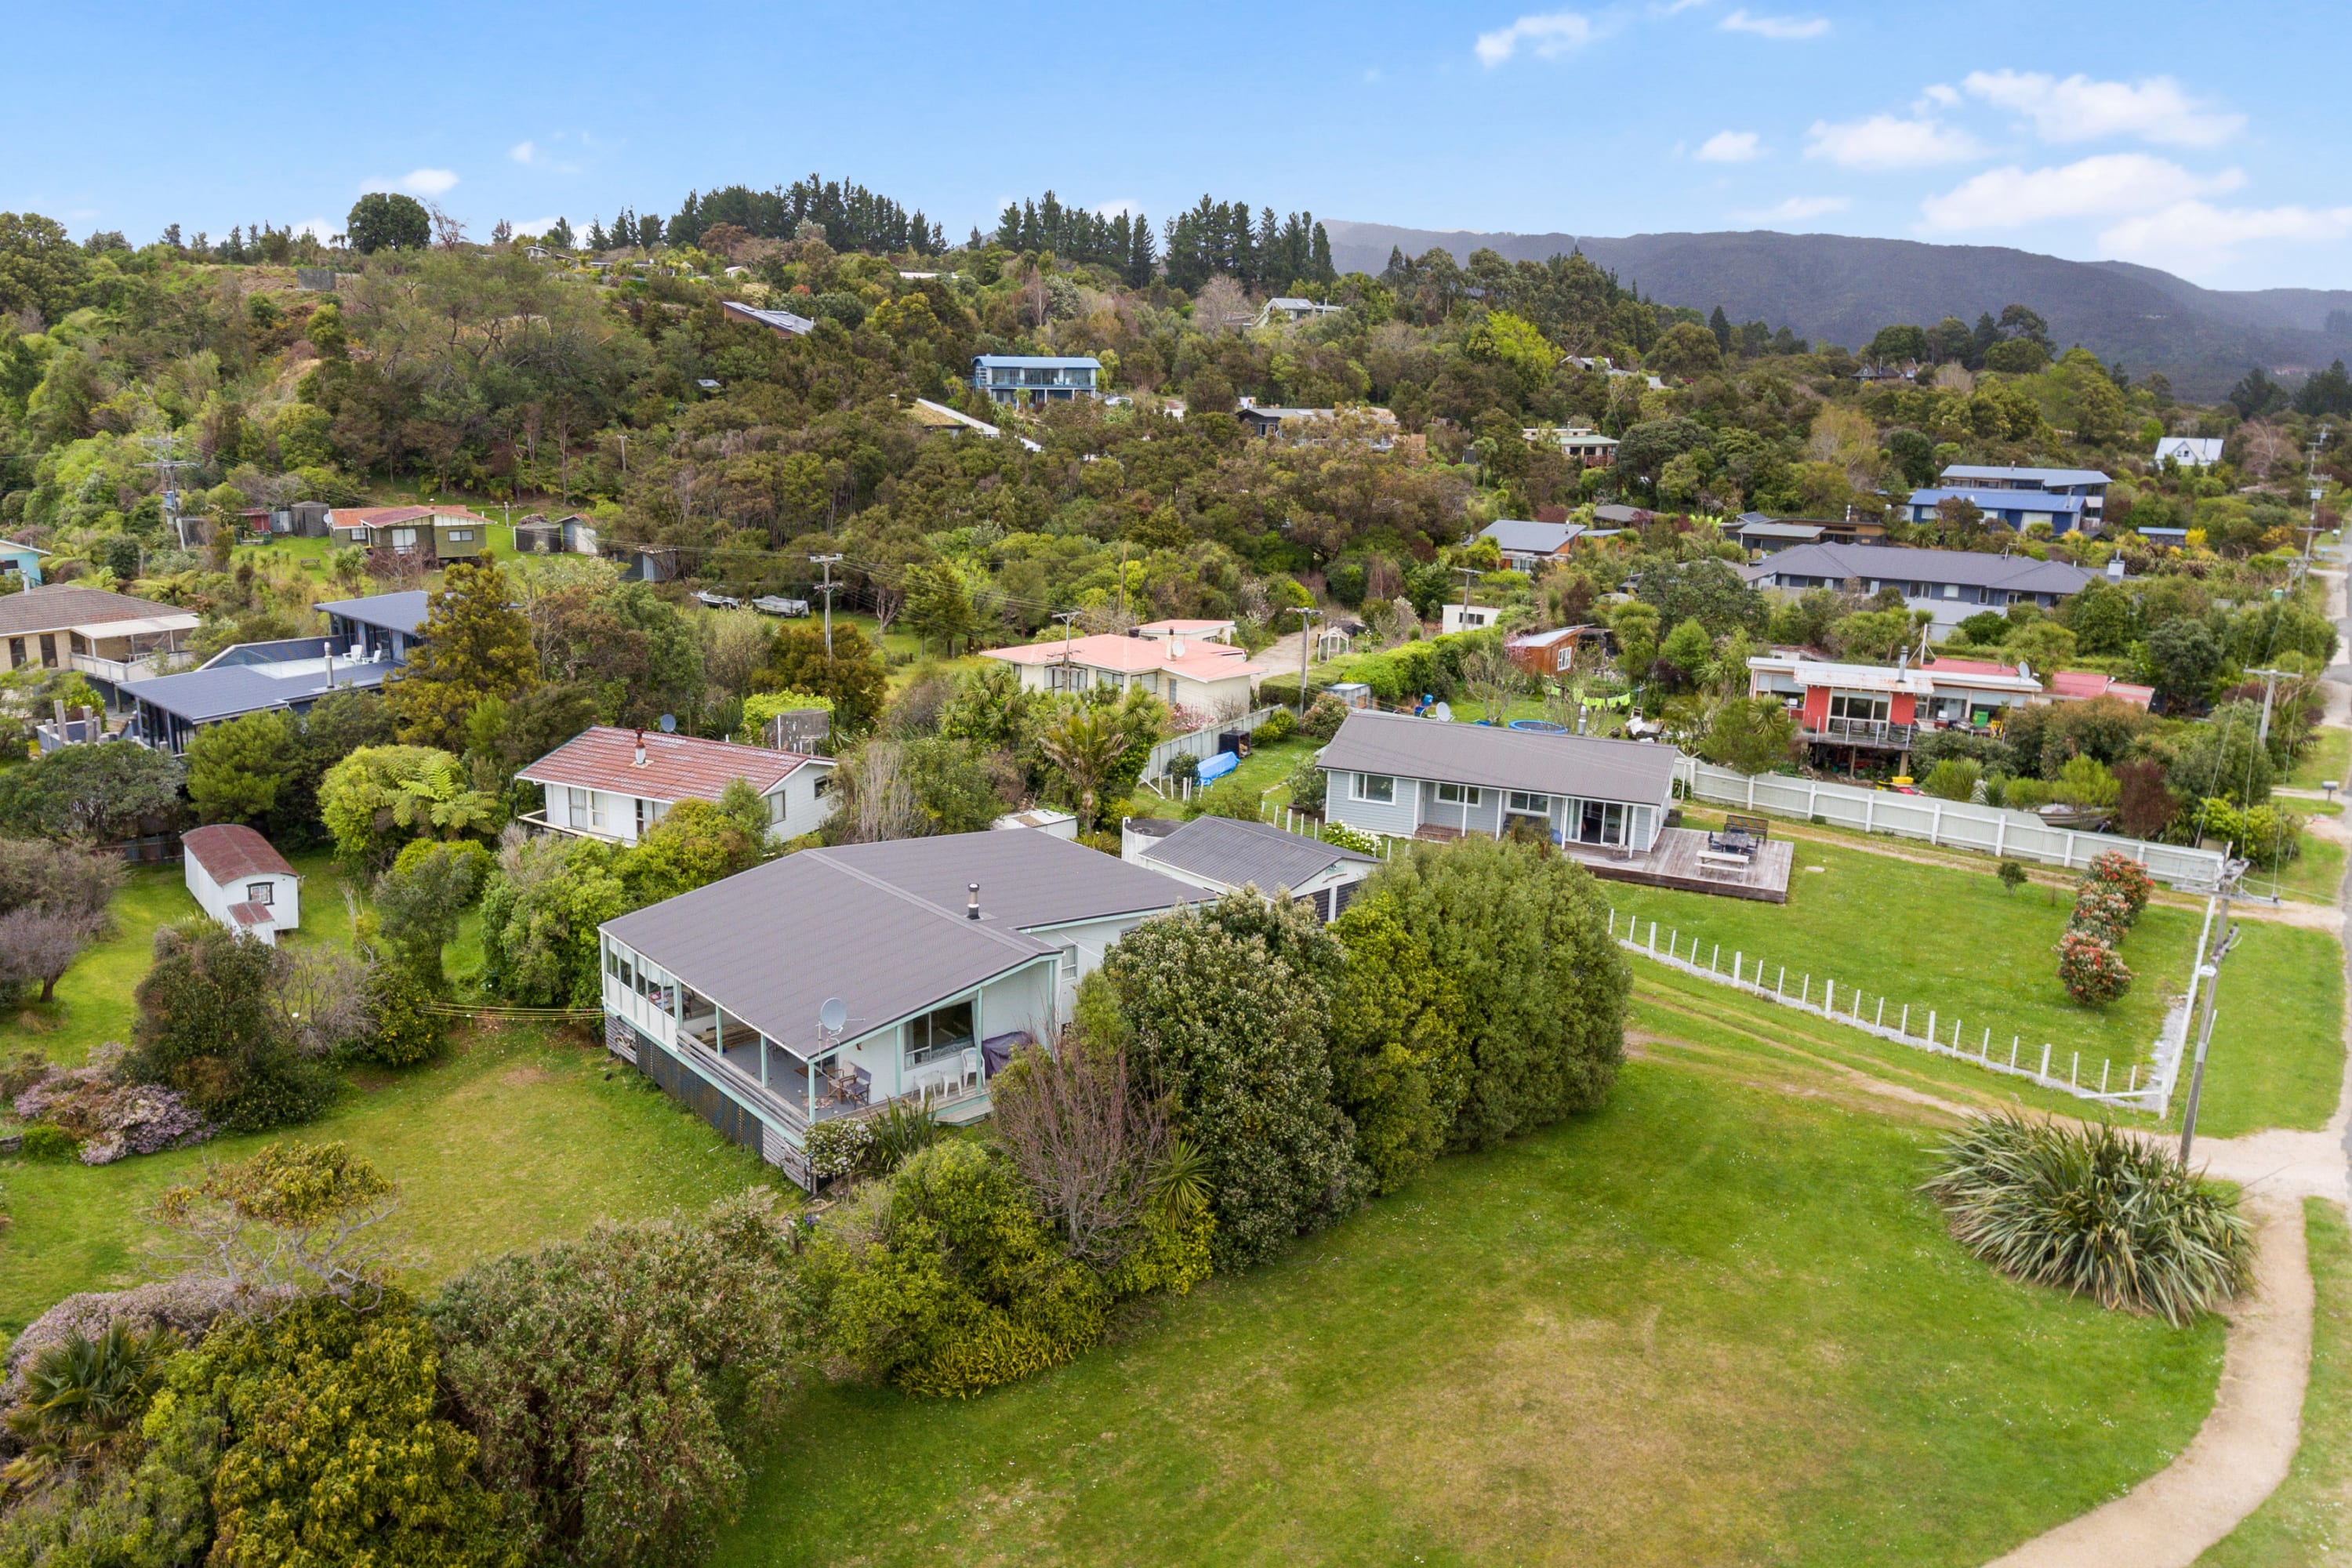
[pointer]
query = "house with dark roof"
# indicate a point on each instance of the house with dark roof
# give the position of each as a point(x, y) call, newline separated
point(110, 637)
point(1222, 855)
point(1402, 777)
point(367, 642)
point(1950, 584)
point(831, 983)
point(240, 878)
point(1761, 535)
point(614, 784)
point(1529, 546)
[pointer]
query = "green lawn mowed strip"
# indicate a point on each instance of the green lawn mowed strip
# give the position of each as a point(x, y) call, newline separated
point(2325, 757)
point(2317, 873)
point(519, 1139)
point(2277, 1056)
point(1711, 1322)
point(1934, 938)
point(2303, 1524)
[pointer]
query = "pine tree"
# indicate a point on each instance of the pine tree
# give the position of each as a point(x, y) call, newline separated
point(475, 645)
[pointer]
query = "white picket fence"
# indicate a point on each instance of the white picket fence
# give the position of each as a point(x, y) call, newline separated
point(1201, 743)
point(2018, 834)
point(2138, 1085)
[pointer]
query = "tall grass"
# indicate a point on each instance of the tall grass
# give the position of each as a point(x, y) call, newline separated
point(2092, 1210)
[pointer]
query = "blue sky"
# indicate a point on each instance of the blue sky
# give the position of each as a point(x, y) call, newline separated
point(2208, 142)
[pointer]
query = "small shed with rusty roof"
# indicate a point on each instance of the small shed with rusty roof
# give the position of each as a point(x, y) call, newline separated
point(240, 878)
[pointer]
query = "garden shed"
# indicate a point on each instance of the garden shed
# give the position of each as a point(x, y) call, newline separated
point(240, 878)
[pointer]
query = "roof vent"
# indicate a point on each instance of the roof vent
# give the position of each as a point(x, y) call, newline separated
point(641, 751)
point(971, 910)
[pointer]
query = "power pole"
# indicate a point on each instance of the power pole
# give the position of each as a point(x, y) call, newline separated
point(2270, 685)
point(1066, 617)
point(2209, 968)
point(1305, 642)
point(1469, 575)
point(167, 464)
point(827, 562)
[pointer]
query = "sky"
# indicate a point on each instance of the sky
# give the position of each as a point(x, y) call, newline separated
point(2209, 142)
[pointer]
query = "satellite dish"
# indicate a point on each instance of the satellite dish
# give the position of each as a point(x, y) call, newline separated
point(832, 1015)
point(670, 723)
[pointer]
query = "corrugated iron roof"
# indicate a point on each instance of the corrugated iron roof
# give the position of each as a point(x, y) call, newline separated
point(228, 850)
point(677, 767)
point(1495, 758)
point(1248, 854)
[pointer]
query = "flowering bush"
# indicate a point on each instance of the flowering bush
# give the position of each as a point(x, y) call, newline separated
point(108, 1118)
point(1324, 717)
point(838, 1148)
point(2101, 912)
point(1348, 837)
point(2120, 872)
point(2090, 970)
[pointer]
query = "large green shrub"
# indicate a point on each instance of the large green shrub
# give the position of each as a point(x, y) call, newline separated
point(1522, 931)
point(403, 1028)
point(540, 915)
point(2092, 1211)
point(615, 1382)
point(1398, 1067)
point(210, 1026)
point(330, 1449)
point(943, 1279)
point(1226, 1006)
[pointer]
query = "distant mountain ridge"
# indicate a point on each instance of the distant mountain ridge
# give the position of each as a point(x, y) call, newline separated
point(1840, 288)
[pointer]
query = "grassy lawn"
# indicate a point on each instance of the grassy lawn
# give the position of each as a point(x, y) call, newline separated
point(516, 1140)
point(2318, 873)
point(2326, 757)
point(1932, 937)
point(1712, 1324)
point(2277, 1058)
point(2304, 1523)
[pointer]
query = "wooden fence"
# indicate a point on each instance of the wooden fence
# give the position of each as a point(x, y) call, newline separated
point(1948, 824)
point(2136, 1086)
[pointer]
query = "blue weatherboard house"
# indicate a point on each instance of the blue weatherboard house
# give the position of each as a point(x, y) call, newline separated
point(21, 562)
point(1034, 378)
point(2010, 509)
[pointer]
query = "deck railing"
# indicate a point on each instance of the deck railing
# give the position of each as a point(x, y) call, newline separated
point(1863, 732)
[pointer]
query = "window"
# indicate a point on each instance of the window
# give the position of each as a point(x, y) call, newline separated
point(1107, 678)
point(1857, 705)
point(1378, 787)
point(1600, 822)
point(1460, 794)
point(461, 536)
point(403, 539)
point(1527, 804)
point(776, 807)
point(261, 892)
point(941, 1032)
point(824, 783)
point(1069, 963)
point(49, 650)
point(16, 655)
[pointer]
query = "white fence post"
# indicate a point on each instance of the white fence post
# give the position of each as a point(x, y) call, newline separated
point(1880, 1021)
point(1903, 1029)
point(2044, 1073)
point(1931, 1026)
point(1829, 997)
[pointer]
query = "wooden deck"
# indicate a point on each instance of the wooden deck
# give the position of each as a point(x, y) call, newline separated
point(1672, 862)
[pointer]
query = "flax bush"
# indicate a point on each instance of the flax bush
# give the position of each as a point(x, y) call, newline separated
point(2092, 1211)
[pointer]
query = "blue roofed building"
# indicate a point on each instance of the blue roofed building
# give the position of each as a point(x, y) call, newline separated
point(367, 640)
point(2089, 484)
point(2014, 510)
point(1036, 378)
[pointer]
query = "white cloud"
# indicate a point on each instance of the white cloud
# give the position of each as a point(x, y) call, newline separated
point(1676, 7)
point(2078, 108)
point(1775, 27)
point(524, 153)
point(537, 225)
point(1548, 36)
point(2194, 236)
point(416, 182)
point(319, 228)
point(1128, 205)
point(1884, 142)
point(1731, 147)
point(1942, 95)
point(2110, 184)
point(1796, 209)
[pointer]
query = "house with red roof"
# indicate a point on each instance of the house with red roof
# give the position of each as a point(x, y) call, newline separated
point(1199, 677)
point(2085, 685)
point(240, 878)
point(439, 534)
point(614, 784)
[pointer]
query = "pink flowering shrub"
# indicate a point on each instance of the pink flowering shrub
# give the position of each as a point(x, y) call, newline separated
point(2090, 970)
point(2120, 873)
point(109, 1119)
point(2102, 911)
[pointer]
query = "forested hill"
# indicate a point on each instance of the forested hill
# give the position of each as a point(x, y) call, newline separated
point(1840, 288)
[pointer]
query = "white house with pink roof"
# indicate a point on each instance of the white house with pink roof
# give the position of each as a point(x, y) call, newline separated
point(1187, 664)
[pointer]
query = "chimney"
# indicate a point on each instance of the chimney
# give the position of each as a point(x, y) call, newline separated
point(971, 910)
point(2115, 568)
point(641, 751)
